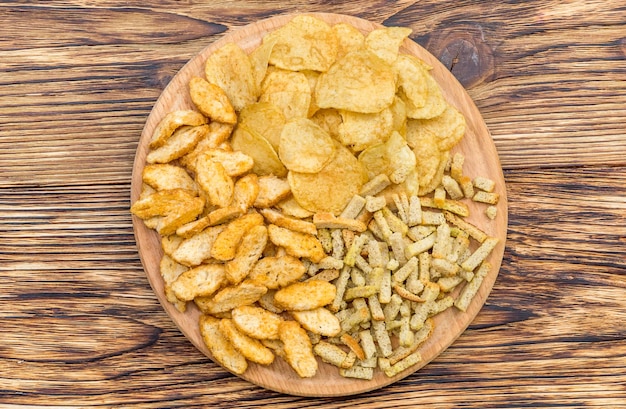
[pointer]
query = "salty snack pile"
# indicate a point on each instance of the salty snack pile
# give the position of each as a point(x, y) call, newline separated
point(309, 204)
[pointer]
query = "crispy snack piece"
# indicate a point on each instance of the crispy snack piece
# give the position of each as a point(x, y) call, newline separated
point(196, 249)
point(385, 42)
point(257, 322)
point(245, 192)
point(277, 218)
point(297, 244)
point(177, 206)
point(248, 252)
point(304, 146)
point(214, 180)
point(245, 293)
point(266, 161)
point(235, 163)
point(277, 271)
point(298, 349)
point(230, 68)
point(212, 101)
point(167, 177)
point(318, 321)
point(172, 122)
point(180, 143)
point(200, 281)
point(225, 246)
point(272, 190)
point(221, 349)
point(252, 349)
point(308, 295)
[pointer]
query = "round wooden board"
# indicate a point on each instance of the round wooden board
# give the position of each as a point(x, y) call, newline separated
point(481, 159)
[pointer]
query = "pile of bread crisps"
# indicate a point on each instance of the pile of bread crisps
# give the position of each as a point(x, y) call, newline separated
point(309, 204)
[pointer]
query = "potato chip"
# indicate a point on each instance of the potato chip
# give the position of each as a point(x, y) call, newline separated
point(333, 187)
point(276, 272)
point(201, 281)
point(211, 100)
point(329, 120)
point(266, 161)
point(435, 103)
point(214, 180)
point(428, 187)
point(221, 349)
point(426, 150)
point(304, 146)
point(360, 131)
point(171, 122)
point(167, 177)
point(288, 91)
point(448, 127)
point(393, 158)
point(359, 82)
point(398, 113)
point(307, 295)
point(245, 293)
point(305, 43)
point(265, 119)
point(412, 79)
point(260, 59)
point(348, 39)
point(182, 141)
point(385, 42)
point(230, 69)
point(298, 349)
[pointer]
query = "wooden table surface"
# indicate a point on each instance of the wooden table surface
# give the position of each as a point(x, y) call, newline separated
point(80, 324)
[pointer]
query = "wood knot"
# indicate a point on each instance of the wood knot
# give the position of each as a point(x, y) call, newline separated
point(464, 51)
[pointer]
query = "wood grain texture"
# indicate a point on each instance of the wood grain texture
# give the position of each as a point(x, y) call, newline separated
point(78, 81)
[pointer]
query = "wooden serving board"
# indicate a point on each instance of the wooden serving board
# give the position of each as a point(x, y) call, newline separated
point(481, 159)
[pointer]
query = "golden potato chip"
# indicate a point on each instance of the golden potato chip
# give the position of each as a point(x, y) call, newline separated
point(348, 39)
point(312, 77)
point(196, 249)
point(266, 161)
point(318, 321)
point(182, 141)
point(393, 158)
point(298, 349)
point(265, 119)
point(225, 246)
point(167, 177)
point(277, 272)
point(329, 120)
point(250, 348)
point(296, 244)
point(448, 127)
point(426, 150)
point(333, 187)
point(221, 349)
point(304, 146)
point(305, 295)
point(230, 69)
point(359, 131)
point(171, 122)
point(398, 113)
point(305, 43)
point(428, 187)
point(245, 293)
point(260, 59)
point(214, 180)
point(359, 82)
point(288, 91)
point(200, 281)
point(211, 100)
point(257, 322)
point(235, 163)
point(248, 253)
point(434, 105)
point(412, 79)
point(385, 42)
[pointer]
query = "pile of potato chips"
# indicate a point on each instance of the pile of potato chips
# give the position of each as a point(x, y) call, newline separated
point(309, 205)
